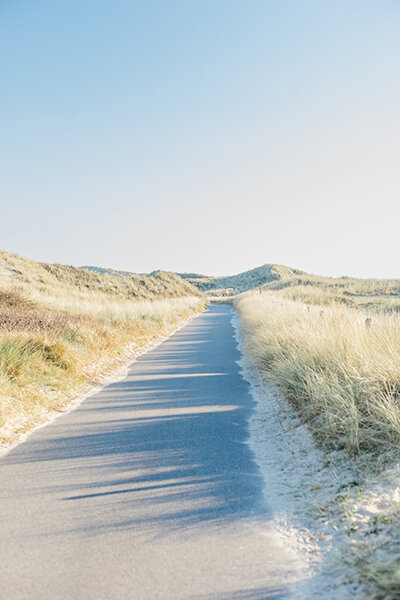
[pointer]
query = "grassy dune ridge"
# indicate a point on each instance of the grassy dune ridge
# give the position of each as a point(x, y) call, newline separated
point(60, 335)
point(368, 294)
point(47, 280)
point(340, 372)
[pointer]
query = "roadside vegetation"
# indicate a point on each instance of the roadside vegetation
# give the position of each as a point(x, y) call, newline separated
point(336, 359)
point(372, 295)
point(64, 330)
point(339, 367)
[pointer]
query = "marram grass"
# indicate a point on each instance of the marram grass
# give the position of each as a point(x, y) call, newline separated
point(340, 368)
point(56, 347)
point(341, 373)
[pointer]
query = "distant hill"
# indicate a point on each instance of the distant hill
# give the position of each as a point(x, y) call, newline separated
point(242, 282)
point(104, 271)
point(374, 294)
point(218, 286)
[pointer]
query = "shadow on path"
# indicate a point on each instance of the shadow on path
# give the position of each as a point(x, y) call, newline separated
point(167, 443)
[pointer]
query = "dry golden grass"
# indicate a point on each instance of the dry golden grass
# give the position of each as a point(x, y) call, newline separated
point(48, 356)
point(340, 368)
point(59, 337)
point(341, 374)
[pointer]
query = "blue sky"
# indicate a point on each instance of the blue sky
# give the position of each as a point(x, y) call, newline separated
point(201, 135)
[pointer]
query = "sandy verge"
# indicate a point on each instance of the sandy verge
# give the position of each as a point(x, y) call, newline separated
point(301, 484)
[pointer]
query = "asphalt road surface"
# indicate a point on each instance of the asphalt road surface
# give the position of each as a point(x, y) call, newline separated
point(148, 489)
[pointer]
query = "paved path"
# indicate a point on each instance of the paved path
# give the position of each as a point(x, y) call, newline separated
point(147, 490)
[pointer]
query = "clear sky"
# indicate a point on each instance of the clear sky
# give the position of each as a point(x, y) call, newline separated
point(202, 135)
